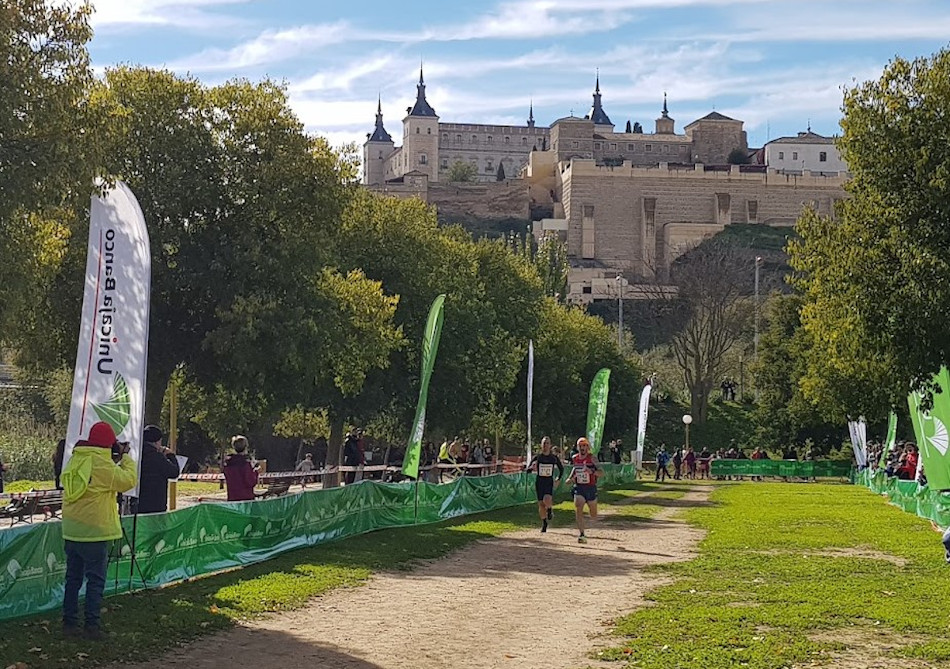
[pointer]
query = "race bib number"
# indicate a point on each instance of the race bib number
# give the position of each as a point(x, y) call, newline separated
point(545, 470)
point(582, 476)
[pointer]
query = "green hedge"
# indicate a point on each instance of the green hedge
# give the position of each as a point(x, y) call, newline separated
point(27, 457)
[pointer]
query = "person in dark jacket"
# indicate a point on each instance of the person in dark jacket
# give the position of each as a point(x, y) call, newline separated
point(58, 455)
point(352, 455)
point(158, 465)
point(239, 474)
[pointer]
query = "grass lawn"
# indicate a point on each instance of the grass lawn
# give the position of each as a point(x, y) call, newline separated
point(794, 575)
point(145, 624)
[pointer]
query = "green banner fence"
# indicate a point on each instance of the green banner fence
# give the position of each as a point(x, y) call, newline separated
point(909, 496)
point(209, 537)
point(785, 468)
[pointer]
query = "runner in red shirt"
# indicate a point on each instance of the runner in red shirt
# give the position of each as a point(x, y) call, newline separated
point(584, 475)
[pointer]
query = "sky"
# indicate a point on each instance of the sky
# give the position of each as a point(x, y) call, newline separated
point(778, 65)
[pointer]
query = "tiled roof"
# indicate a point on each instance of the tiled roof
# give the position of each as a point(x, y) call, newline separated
point(804, 138)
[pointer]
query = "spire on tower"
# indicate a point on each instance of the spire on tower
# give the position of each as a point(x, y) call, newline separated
point(531, 114)
point(597, 113)
point(666, 112)
point(422, 106)
point(379, 133)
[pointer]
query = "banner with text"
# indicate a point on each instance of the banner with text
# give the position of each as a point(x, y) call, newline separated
point(109, 381)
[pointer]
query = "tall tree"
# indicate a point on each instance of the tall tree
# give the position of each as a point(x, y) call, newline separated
point(709, 314)
point(462, 172)
point(47, 144)
point(242, 208)
point(877, 279)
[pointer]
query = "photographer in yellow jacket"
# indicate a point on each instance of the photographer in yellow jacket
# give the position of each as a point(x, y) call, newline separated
point(99, 468)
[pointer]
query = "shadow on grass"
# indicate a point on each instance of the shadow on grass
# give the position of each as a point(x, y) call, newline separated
point(142, 626)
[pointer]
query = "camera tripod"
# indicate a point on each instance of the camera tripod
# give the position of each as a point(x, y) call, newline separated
point(115, 551)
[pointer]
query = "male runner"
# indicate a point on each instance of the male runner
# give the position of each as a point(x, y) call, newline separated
point(584, 477)
point(543, 464)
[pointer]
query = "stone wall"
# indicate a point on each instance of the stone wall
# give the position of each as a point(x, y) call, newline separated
point(637, 219)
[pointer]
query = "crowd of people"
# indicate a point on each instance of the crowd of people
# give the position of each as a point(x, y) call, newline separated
point(902, 461)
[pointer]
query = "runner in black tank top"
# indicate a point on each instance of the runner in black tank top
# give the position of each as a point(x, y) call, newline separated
point(543, 464)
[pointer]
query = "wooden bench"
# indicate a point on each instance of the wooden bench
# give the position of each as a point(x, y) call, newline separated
point(22, 509)
point(275, 490)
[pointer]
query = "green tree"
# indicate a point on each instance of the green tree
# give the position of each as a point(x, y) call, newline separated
point(876, 280)
point(462, 172)
point(242, 208)
point(783, 416)
point(738, 156)
point(47, 145)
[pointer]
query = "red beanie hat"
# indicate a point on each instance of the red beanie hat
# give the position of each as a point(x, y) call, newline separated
point(102, 435)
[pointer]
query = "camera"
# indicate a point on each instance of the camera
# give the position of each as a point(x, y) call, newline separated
point(119, 449)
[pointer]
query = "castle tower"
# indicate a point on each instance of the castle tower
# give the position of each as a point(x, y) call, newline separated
point(376, 151)
point(602, 122)
point(420, 144)
point(665, 124)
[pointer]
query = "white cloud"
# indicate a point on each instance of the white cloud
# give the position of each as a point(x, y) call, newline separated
point(190, 14)
point(269, 47)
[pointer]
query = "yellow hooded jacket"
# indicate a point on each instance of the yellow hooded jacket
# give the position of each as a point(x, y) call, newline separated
point(90, 482)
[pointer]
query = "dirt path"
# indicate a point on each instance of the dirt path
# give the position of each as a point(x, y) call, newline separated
point(523, 600)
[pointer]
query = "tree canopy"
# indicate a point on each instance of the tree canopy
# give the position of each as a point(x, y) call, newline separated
point(876, 279)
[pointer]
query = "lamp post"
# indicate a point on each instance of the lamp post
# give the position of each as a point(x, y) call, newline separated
point(687, 419)
point(620, 310)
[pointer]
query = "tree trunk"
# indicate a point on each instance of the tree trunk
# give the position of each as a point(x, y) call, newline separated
point(155, 387)
point(334, 452)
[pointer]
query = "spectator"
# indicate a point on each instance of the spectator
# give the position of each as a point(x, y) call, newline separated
point(677, 463)
point(690, 460)
point(58, 455)
point(305, 465)
point(615, 455)
point(620, 451)
point(158, 465)
point(352, 456)
point(946, 539)
point(239, 474)
point(320, 449)
point(704, 457)
point(488, 451)
point(662, 459)
point(91, 480)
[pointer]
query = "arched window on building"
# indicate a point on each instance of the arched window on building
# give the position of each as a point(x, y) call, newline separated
point(489, 139)
point(428, 131)
point(524, 141)
point(417, 131)
point(507, 140)
point(474, 139)
point(422, 159)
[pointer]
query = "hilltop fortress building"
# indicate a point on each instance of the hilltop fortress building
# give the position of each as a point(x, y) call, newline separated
point(626, 203)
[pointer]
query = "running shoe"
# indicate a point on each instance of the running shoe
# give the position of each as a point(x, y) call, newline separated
point(550, 514)
point(544, 525)
point(582, 539)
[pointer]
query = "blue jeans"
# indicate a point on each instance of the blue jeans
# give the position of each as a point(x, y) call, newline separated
point(85, 560)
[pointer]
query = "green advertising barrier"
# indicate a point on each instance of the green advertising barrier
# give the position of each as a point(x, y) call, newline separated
point(909, 496)
point(209, 537)
point(784, 468)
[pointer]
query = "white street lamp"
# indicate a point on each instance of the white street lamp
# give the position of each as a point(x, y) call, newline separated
point(687, 419)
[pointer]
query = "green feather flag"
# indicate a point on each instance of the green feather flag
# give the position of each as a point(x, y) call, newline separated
point(430, 346)
point(597, 408)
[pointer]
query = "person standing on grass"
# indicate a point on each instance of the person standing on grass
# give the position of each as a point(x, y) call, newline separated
point(91, 479)
point(159, 465)
point(239, 474)
point(677, 463)
point(584, 477)
point(690, 461)
point(662, 459)
point(543, 465)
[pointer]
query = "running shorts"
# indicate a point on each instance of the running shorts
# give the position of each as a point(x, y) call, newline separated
point(588, 492)
point(544, 485)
